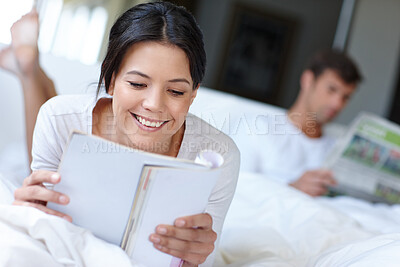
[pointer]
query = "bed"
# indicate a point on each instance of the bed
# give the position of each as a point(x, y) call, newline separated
point(268, 224)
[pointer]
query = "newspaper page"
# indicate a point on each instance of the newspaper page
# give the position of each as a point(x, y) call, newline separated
point(366, 162)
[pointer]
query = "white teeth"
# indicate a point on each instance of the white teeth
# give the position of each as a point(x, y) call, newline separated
point(148, 123)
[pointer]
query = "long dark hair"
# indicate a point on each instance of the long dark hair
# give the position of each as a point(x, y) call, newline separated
point(160, 22)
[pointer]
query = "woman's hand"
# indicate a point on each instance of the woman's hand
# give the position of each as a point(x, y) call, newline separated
point(191, 238)
point(34, 194)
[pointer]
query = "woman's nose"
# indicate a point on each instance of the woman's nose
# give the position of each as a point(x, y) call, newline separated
point(154, 100)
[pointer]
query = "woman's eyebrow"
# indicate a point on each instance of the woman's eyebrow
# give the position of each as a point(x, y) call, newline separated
point(138, 73)
point(179, 80)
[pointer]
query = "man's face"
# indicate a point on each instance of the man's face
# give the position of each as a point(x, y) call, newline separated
point(327, 95)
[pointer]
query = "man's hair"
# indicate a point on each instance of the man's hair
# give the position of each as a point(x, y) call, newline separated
point(337, 61)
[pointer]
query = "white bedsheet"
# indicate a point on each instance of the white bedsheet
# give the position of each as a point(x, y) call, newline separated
point(270, 224)
point(30, 237)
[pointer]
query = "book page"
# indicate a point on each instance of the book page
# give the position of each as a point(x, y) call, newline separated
point(210, 158)
point(171, 193)
point(101, 179)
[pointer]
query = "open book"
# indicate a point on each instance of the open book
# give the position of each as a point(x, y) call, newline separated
point(366, 162)
point(122, 194)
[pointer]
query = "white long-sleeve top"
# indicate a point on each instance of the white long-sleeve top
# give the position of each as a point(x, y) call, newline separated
point(62, 114)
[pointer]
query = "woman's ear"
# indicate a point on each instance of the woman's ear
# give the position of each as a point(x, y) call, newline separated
point(112, 85)
point(194, 94)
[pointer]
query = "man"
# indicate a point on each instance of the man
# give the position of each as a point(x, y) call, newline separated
point(294, 152)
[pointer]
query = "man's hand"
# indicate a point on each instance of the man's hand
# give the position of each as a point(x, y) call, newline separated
point(314, 183)
point(191, 238)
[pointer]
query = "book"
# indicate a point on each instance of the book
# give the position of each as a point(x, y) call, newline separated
point(366, 162)
point(121, 194)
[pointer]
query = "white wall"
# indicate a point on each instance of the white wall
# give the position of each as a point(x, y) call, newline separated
point(316, 27)
point(11, 118)
point(69, 76)
point(374, 43)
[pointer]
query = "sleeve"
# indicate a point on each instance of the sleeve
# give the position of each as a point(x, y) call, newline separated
point(46, 146)
point(222, 195)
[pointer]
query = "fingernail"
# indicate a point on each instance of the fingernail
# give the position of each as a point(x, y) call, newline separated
point(63, 199)
point(155, 239)
point(180, 223)
point(161, 230)
point(55, 177)
point(158, 246)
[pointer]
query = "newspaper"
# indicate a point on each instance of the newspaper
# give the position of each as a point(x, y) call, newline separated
point(366, 162)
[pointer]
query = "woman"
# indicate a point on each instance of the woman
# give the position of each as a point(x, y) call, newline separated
point(153, 67)
point(21, 58)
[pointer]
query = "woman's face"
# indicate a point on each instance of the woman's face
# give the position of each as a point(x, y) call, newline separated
point(152, 93)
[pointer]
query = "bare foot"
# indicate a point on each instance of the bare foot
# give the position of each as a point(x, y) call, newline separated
point(24, 35)
point(8, 61)
point(22, 56)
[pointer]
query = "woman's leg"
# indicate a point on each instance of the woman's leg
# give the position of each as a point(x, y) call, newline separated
point(22, 59)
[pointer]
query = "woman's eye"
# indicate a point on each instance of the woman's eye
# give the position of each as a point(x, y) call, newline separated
point(137, 85)
point(176, 93)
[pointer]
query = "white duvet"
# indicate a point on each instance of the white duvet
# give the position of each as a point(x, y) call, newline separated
point(29, 237)
point(268, 225)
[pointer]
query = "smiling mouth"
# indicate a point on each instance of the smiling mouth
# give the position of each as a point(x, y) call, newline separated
point(148, 123)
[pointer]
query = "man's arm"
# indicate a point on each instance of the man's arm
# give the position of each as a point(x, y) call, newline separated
point(315, 182)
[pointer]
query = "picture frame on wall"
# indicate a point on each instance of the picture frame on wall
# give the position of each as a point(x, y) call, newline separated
point(256, 53)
